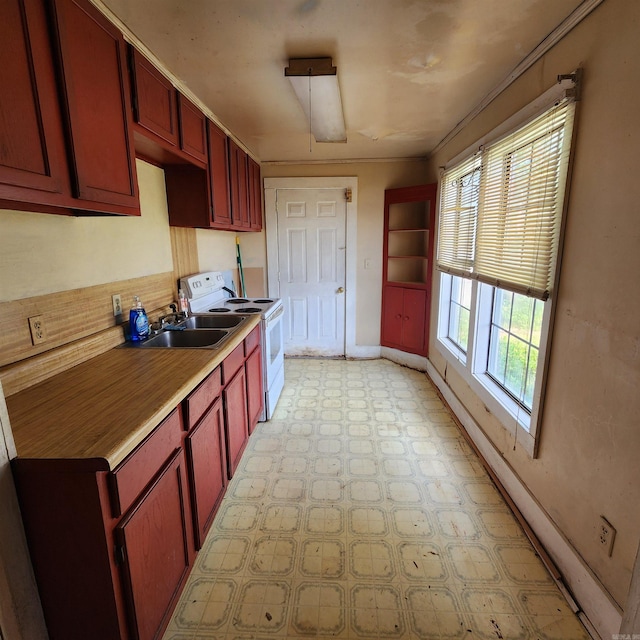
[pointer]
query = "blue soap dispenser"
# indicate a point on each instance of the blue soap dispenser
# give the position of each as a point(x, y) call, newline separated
point(138, 321)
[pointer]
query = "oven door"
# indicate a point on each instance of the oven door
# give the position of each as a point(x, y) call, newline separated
point(273, 358)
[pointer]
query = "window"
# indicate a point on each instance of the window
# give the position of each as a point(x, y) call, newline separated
point(514, 344)
point(499, 232)
point(458, 296)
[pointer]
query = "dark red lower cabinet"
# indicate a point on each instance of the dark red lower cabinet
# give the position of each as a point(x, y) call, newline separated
point(207, 468)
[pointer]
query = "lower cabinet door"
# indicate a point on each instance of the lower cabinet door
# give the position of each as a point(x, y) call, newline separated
point(392, 316)
point(156, 540)
point(236, 420)
point(207, 469)
point(413, 325)
point(255, 395)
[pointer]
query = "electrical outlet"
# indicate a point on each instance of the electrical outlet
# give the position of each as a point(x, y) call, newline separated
point(606, 535)
point(117, 304)
point(38, 330)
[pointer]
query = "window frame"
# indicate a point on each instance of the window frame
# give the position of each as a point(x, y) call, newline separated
point(472, 367)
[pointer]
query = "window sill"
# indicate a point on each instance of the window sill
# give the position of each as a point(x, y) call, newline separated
point(496, 401)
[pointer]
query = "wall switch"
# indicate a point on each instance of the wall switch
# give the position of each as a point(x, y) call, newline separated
point(606, 535)
point(117, 304)
point(367, 263)
point(38, 330)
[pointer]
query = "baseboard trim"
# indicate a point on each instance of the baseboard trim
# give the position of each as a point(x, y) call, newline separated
point(406, 359)
point(602, 615)
point(363, 352)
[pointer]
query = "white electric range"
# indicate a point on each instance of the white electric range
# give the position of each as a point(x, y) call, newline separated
point(206, 293)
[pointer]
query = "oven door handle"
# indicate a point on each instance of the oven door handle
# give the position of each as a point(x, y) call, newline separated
point(276, 314)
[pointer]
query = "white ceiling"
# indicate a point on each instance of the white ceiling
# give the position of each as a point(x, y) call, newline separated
point(409, 70)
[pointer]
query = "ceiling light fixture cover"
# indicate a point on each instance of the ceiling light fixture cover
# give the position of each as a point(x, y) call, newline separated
point(315, 82)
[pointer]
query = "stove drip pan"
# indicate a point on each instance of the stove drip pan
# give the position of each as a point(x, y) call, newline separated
point(236, 300)
point(219, 310)
point(262, 301)
point(249, 309)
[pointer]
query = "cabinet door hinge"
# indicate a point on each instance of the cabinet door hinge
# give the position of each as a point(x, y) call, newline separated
point(119, 554)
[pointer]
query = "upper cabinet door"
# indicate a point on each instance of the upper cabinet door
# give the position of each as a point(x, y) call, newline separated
point(32, 152)
point(193, 132)
point(239, 186)
point(255, 195)
point(96, 96)
point(219, 177)
point(155, 105)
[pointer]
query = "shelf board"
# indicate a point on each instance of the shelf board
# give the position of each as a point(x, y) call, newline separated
point(413, 284)
point(412, 257)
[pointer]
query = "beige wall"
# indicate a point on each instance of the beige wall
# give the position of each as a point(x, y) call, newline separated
point(373, 179)
point(42, 253)
point(589, 438)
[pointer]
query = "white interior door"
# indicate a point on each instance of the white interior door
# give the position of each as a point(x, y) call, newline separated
point(311, 260)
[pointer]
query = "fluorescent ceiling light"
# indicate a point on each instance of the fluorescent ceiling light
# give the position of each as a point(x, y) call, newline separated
point(315, 82)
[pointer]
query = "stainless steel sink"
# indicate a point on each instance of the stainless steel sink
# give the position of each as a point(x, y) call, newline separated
point(186, 339)
point(212, 322)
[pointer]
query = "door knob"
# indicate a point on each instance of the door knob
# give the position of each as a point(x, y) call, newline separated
point(340, 290)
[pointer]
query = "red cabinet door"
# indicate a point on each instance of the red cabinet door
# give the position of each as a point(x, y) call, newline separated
point(155, 105)
point(239, 186)
point(193, 130)
point(404, 317)
point(33, 162)
point(255, 395)
point(96, 98)
point(236, 419)
point(157, 542)
point(413, 319)
point(255, 195)
point(392, 312)
point(219, 177)
point(207, 469)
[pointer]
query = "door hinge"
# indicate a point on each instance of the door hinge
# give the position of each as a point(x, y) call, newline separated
point(119, 554)
point(348, 196)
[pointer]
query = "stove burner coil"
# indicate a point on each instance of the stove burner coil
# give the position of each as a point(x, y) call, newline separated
point(262, 301)
point(249, 309)
point(219, 310)
point(236, 300)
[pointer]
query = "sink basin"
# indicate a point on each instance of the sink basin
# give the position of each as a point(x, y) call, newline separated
point(212, 322)
point(187, 339)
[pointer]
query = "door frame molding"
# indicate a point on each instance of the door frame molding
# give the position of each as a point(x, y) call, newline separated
point(271, 185)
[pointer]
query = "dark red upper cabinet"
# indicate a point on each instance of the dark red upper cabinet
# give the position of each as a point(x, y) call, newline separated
point(239, 186)
point(33, 163)
point(255, 195)
point(219, 177)
point(155, 106)
point(193, 130)
point(92, 55)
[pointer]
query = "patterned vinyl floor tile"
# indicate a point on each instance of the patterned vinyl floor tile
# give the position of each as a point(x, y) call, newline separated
point(359, 511)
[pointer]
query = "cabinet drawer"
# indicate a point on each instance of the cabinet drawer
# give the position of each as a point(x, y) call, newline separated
point(232, 363)
point(202, 398)
point(252, 341)
point(137, 470)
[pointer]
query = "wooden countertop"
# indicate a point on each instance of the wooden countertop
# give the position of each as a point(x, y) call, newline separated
point(106, 406)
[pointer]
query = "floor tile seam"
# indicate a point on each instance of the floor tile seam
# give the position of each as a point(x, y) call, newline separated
point(349, 607)
point(521, 588)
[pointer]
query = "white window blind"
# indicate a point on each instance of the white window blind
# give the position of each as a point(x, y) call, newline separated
point(508, 237)
point(458, 217)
